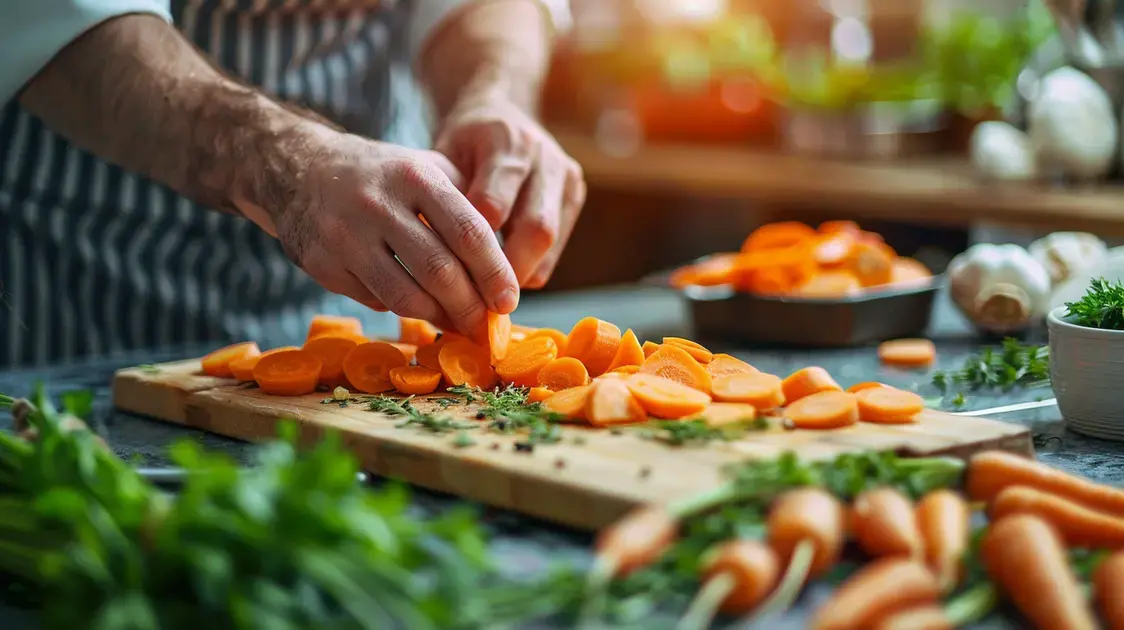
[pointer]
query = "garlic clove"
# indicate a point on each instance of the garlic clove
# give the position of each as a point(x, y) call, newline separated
point(1003, 307)
point(999, 151)
point(1072, 125)
point(1066, 254)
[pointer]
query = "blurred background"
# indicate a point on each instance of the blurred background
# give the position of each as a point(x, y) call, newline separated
point(698, 120)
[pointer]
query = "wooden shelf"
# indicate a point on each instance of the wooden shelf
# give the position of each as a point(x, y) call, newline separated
point(938, 190)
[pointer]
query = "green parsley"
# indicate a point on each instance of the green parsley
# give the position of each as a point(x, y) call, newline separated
point(958, 401)
point(507, 411)
point(1102, 306)
point(1012, 365)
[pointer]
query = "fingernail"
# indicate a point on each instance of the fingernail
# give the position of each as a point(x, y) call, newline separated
point(506, 301)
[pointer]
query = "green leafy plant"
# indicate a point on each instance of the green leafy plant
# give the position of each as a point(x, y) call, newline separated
point(1102, 306)
point(1013, 364)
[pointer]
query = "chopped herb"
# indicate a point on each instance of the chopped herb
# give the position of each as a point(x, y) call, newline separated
point(508, 411)
point(445, 403)
point(958, 401)
point(697, 432)
point(1012, 365)
point(1102, 306)
point(469, 393)
point(405, 407)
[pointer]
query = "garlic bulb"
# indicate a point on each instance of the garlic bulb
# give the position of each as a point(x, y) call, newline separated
point(1000, 288)
point(1072, 125)
point(1002, 152)
point(1065, 253)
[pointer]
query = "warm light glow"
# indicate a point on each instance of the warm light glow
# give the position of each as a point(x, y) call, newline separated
point(851, 40)
point(681, 10)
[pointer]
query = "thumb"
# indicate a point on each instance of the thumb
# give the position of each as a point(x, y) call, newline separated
point(495, 186)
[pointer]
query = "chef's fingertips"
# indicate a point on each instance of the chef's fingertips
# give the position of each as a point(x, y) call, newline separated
point(496, 184)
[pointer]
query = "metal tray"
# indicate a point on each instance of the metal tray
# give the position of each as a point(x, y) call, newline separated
point(720, 313)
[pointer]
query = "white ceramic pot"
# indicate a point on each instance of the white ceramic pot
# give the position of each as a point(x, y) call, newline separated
point(1087, 374)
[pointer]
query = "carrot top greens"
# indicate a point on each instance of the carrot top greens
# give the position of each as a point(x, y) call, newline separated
point(1102, 306)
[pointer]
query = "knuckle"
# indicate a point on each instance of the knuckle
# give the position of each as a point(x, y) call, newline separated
point(414, 173)
point(441, 269)
point(472, 233)
point(409, 304)
point(540, 231)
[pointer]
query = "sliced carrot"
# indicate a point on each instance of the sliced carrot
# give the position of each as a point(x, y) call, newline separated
point(715, 270)
point(611, 402)
point(332, 351)
point(1028, 562)
point(779, 234)
point(909, 271)
point(616, 376)
point(824, 410)
point(218, 362)
point(759, 389)
point(626, 369)
point(943, 517)
point(1108, 584)
point(675, 363)
point(649, 347)
point(415, 380)
point(907, 353)
point(571, 403)
point(628, 353)
point(416, 331)
point(538, 394)
point(719, 414)
point(243, 369)
point(991, 472)
point(884, 523)
point(888, 405)
point(832, 227)
point(725, 365)
point(829, 285)
point(427, 355)
point(525, 361)
point(872, 263)
point(1078, 525)
point(562, 374)
point(593, 342)
point(858, 387)
point(876, 591)
point(833, 249)
point(522, 332)
point(322, 324)
point(367, 367)
point(499, 336)
point(696, 350)
point(288, 373)
point(924, 617)
point(465, 363)
point(558, 336)
point(777, 271)
point(665, 398)
point(408, 350)
point(808, 381)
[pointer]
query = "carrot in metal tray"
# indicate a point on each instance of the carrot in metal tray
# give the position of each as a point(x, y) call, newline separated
point(571, 402)
point(877, 591)
point(665, 398)
point(594, 342)
point(332, 351)
point(759, 389)
point(499, 336)
point(243, 369)
point(415, 380)
point(1025, 557)
point(1108, 590)
point(726, 365)
point(824, 410)
point(888, 405)
point(289, 373)
point(465, 363)
point(676, 364)
point(944, 518)
point(367, 367)
point(1078, 525)
point(716, 269)
point(611, 402)
point(831, 250)
point(776, 235)
point(563, 373)
point(829, 284)
point(322, 324)
point(416, 331)
point(924, 617)
point(629, 352)
point(736, 576)
point(883, 522)
point(696, 350)
point(526, 361)
point(909, 271)
point(871, 262)
point(991, 472)
point(808, 381)
point(218, 362)
point(832, 227)
point(907, 353)
point(558, 336)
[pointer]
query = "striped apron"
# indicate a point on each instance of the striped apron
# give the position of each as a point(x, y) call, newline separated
point(95, 260)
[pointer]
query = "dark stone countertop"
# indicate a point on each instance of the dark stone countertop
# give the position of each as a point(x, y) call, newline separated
point(528, 546)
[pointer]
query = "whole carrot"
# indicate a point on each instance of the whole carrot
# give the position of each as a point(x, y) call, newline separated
point(1078, 525)
point(924, 617)
point(737, 575)
point(1108, 589)
point(884, 524)
point(944, 519)
point(1025, 557)
point(993, 471)
point(877, 591)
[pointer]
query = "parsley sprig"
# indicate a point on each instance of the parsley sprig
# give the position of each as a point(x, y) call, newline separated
point(1102, 306)
point(507, 411)
point(1012, 365)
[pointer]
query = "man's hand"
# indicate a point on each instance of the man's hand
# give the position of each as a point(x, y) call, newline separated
point(519, 179)
point(355, 229)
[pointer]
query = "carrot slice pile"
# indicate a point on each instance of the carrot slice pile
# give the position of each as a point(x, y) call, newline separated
point(674, 363)
point(725, 365)
point(611, 402)
point(538, 394)
point(332, 351)
point(288, 373)
point(625, 369)
point(824, 410)
point(570, 403)
point(649, 347)
point(775, 235)
point(808, 381)
point(465, 363)
point(697, 351)
point(334, 324)
point(367, 367)
point(858, 387)
point(761, 390)
point(414, 380)
point(243, 369)
point(499, 336)
point(594, 342)
point(628, 353)
point(218, 362)
point(718, 414)
point(416, 331)
point(665, 398)
point(888, 405)
point(558, 336)
point(830, 284)
point(427, 355)
point(526, 360)
point(907, 353)
point(872, 263)
point(562, 374)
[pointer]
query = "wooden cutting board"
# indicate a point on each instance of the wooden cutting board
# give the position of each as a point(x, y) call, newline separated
point(587, 480)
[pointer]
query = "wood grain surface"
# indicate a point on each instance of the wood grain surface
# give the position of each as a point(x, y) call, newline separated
point(587, 480)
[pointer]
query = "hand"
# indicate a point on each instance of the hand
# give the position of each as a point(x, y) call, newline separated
point(357, 209)
point(519, 179)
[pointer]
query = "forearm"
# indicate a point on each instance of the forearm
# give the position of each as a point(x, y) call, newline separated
point(136, 93)
point(489, 47)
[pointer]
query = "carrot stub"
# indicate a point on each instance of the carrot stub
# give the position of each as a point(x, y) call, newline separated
point(288, 373)
point(825, 410)
point(562, 374)
point(807, 514)
point(334, 324)
point(1108, 587)
point(725, 365)
point(1026, 559)
point(570, 403)
point(611, 402)
point(736, 577)
point(876, 591)
point(594, 342)
point(943, 517)
point(665, 398)
point(367, 367)
point(218, 362)
point(907, 353)
point(697, 351)
point(991, 472)
point(525, 361)
point(465, 363)
point(1078, 525)
point(243, 369)
point(808, 381)
point(332, 351)
point(755, 388)
point(676, 364)
point(415, 379)
point(538, 394)
point(499, 336)
point(888, 405)
point(884, 523)
point(416, 331)
point(628, 353)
